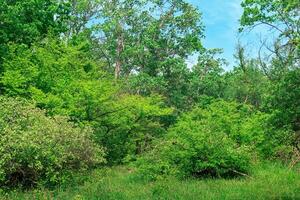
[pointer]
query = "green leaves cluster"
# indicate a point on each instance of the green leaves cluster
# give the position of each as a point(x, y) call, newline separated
point(27, 21)
point(64, 80)
point(133, 123)
point(36, 149)
point(219, 140)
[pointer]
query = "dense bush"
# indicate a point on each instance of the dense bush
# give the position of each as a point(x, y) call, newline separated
point(130, 125)
point(63, 80)
point(285, 105)
point(216, 141)
point(36, 149)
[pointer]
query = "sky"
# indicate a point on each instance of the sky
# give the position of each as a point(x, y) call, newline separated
point(221, 21)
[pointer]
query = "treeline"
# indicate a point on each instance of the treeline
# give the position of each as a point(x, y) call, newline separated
point(105, 82)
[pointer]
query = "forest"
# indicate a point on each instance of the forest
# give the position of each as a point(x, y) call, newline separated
point(97, 101)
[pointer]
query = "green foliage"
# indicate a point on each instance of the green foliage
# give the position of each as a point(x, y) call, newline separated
point(285, 108)
point(281, 16)
point(206, 76)
point(269, 11)
point(246, 85)
point(147, 42)
point(66, 81)
point(26, 21)
point(141, 35)
point(183, 87)
point(144, 84)
point(281, 66)
point(36, 149)
point(57, 76)
point(130, 126)
point(81, 13)
point(284, 99)
point(215, 141)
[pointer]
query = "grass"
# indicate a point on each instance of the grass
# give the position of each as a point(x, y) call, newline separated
point(269, 181)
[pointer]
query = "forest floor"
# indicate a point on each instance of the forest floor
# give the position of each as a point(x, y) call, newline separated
point(267, 181)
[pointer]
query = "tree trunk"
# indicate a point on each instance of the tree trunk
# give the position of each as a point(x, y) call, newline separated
point(120, 45)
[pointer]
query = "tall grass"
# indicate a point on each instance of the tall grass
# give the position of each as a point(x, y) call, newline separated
point(268, 181)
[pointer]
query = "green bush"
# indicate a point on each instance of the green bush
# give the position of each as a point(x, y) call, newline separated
point(196, 154)
point(36, 149)
point(130, 125)
point(218, 141)
point(64, 80)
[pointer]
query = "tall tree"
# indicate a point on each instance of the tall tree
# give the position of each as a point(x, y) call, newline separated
point(139, 35)
point(283, 17)
point(24, 21)
point(82, 14)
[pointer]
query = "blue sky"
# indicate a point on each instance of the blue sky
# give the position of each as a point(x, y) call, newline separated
point(220, 18)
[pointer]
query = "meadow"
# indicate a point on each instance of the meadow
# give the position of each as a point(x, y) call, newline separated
point(267, 181)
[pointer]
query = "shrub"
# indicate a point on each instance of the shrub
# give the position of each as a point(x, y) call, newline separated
point(197, 154)
point(218, 141)
point(36, 149)
point(64, 80)
point(130, 126)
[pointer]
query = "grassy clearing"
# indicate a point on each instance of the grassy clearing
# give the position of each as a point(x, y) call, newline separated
point(269, 181)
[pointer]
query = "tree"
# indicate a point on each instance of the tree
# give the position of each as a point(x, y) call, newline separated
point(246, 83)
point(82, 14)
point(25, 21)
point(283, 17)
point(206, 76)
point(283, 102)
point(64, 80)
point(139, 35)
